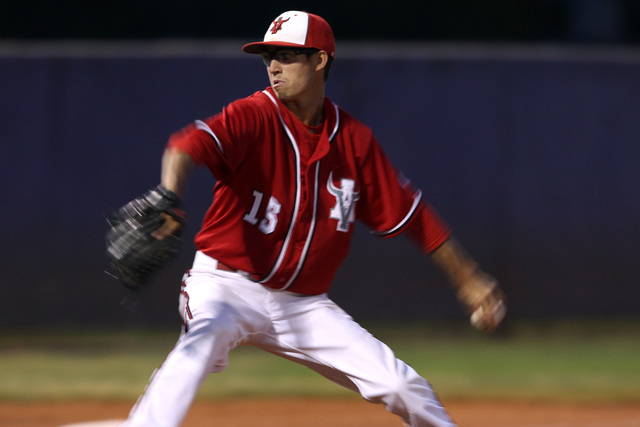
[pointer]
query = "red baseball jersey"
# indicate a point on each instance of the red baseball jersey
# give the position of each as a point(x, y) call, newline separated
point(287, 194)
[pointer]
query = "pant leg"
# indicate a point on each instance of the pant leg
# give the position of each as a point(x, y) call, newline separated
point(217, 320)
point(315, 332)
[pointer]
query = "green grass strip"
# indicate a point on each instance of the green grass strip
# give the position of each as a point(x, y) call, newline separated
point(571, 361)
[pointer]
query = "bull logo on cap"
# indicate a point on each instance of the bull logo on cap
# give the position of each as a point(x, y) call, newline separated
point(277, 25)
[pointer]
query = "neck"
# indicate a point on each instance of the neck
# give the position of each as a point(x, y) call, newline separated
point(309, 111)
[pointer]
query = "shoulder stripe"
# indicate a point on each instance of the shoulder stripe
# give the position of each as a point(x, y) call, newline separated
point(205, 127)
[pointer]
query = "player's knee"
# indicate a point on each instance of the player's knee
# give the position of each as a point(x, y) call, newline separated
point(413, 400)
point(401, 393)
point(388, 393)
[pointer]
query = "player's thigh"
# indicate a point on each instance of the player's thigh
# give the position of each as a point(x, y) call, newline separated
point(325, 338)
point(217, 298)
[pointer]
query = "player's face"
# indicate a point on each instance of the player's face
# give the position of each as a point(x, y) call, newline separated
point(292, 72)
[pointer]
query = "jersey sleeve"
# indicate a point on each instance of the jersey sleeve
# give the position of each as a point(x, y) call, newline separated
point(222, 141)
point(427, 229)
point(392, 205)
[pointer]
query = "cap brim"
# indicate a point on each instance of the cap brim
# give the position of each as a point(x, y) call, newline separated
point(259, 47)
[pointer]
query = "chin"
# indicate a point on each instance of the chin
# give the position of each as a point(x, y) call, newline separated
point(282, 95)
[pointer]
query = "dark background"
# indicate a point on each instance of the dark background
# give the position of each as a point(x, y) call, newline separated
point(584, 21)
point(518, 120)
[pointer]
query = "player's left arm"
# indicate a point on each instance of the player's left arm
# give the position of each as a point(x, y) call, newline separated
point(477, 291)
point(390, 205)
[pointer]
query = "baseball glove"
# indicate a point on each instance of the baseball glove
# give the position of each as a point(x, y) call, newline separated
point(133, 252)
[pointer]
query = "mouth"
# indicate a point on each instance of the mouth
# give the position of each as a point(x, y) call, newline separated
point(277, 83)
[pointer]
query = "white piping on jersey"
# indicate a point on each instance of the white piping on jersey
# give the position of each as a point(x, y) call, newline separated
point(287, 240)
point(335, 128)
point(312, 229)
point(312, 226)
point(205, 127)
point(416, 201)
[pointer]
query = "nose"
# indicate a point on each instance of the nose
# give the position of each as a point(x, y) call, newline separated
point(274, 67)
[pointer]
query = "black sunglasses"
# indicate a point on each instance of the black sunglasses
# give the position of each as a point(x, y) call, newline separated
point(286, 55)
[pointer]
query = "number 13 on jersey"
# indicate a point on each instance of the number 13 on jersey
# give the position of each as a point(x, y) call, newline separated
point(268, 223)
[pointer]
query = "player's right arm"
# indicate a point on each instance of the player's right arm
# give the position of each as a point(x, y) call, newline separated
point(177, 165)
point(219, 143)
point(176, 168)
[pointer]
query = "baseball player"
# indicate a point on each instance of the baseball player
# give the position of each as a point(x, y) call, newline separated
point(293, 172)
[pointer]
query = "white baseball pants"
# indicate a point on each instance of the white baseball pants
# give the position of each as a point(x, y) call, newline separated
point(223, 310)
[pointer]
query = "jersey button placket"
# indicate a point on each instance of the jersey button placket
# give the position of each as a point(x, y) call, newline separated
point(303, 186)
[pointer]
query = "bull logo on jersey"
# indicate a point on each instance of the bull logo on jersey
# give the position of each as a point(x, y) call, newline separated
point(346, 198)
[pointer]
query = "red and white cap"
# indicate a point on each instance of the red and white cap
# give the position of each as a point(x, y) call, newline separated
point(299, 30)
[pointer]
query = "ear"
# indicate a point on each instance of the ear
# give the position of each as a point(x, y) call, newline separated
point(322, 58)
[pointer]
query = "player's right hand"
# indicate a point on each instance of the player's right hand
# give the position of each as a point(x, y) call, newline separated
point(170, 227)
point(483, 300)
